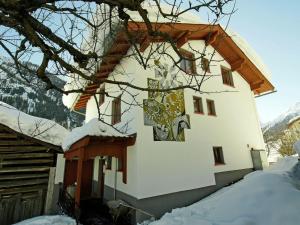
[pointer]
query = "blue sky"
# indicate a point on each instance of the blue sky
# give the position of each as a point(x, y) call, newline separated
point(272, 28)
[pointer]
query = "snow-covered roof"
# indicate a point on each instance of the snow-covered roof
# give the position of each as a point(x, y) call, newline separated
point(94, 127)
point(154, 14)
point(188, 17)
point(42, 129)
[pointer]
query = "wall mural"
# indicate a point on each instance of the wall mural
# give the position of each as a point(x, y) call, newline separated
point(165, 111)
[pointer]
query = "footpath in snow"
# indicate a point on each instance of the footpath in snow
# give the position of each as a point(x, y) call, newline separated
point(270, 197)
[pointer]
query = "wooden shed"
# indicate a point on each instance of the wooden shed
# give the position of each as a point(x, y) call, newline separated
point(27, 165)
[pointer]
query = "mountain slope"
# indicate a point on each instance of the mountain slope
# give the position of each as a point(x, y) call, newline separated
point(280, 123)
point(32, 98)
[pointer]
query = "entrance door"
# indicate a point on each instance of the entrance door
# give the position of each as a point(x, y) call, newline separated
point(87, 176)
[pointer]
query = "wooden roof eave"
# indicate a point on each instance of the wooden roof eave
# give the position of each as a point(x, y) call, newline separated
point(214, 35)
point(85, 142)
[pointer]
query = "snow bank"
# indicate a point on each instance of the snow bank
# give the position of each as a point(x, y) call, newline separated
point(93, 128)
point(48, 220)
point(39, 128)
point(262, 198)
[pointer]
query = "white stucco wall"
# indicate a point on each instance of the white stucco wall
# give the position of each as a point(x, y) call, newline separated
point(156, 168)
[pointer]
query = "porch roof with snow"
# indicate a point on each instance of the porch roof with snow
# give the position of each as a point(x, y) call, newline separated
point(95, 138)
point(231, 48)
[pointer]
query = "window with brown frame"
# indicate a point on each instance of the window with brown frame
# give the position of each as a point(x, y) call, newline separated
point(198, 106)
point(205, 65)
point(102, 95)
point(188, 63)
point(227, 76)
point(116, 111)
point(211, 110)
point(218, 155)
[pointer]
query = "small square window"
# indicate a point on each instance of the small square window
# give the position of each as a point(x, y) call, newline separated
point(188, 64)
point(218, 155)
point(205, 65)
point(102, 95)
point(211, 110)
point(198, 106)
point(116, 111)
point(227, 76)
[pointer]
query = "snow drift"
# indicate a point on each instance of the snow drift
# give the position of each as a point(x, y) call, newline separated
point(269, 197)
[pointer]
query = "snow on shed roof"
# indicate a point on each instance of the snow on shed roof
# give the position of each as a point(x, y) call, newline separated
point(39, 128)
point(94, 127)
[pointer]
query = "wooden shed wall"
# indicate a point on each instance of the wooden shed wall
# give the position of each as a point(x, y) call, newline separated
point(24, 174)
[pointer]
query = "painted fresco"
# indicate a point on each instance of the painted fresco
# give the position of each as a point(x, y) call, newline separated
point(165, 111)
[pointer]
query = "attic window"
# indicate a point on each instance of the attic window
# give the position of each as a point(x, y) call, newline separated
point(116, 111)
point(102, 95)
point(205, 65)
point(187, 64)
point(227, 76)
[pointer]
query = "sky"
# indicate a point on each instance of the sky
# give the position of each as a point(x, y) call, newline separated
point(272, 28)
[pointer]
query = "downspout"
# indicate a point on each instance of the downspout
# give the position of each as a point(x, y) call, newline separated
point(115, 184)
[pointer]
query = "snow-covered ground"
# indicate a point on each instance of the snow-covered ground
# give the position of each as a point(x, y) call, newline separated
point(269, 197)
point(48, 220)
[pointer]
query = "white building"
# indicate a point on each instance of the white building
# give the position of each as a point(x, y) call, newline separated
point(186, 144)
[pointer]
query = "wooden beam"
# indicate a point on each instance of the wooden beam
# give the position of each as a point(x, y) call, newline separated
point(22, 176)
point(17, 183)
point(211, 37)
point(184, 37)
point(8, 135)
point(25, 156)
point(238, 64)
point(124, 161)
point(256, 85)
point(22, 189)
point(24, 169)
point(144, 44)
point(22, 162)
point(79, 178)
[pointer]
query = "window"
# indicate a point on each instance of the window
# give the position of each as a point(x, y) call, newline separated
point(108, 162)
point(205, 65)
point(188, 64)
point(102, 95)
point(218, 155)
point(211, 110)
point(198, 106)
point(116, 111)
point(227, 77)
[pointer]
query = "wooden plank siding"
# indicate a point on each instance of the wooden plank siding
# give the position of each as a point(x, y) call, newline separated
point(24, 173)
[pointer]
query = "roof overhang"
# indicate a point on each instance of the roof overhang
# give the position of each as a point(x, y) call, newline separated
point(213, 35)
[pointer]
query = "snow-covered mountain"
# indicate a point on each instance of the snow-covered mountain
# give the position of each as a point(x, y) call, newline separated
point(28, 94)
point(280, 123)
